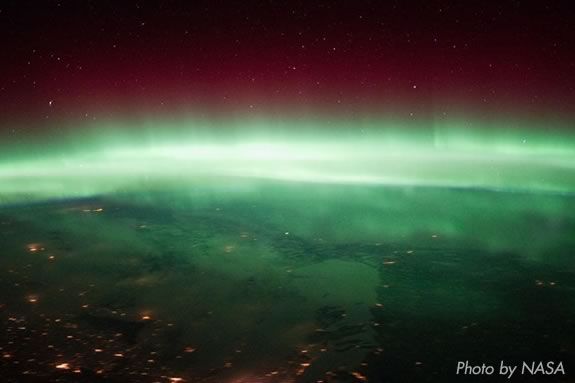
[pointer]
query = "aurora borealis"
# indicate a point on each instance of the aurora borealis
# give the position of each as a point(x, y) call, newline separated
point(383, 153)
point(435, 95)
point(286, 191)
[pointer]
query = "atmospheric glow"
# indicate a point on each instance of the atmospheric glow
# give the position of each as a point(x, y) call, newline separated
point(376, 154)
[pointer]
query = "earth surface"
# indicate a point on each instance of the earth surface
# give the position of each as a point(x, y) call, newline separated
point(285, 282)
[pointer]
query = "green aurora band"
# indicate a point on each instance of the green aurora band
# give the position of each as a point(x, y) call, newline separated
point(114, 156)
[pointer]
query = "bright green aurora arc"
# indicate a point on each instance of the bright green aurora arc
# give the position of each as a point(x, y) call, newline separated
point(503, 155)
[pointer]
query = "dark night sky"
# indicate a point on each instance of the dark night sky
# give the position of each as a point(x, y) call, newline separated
point(77, 59)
